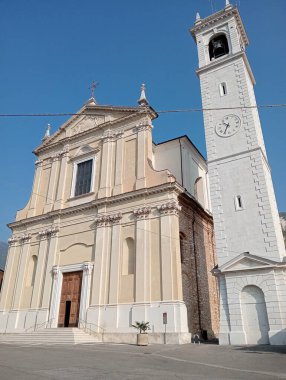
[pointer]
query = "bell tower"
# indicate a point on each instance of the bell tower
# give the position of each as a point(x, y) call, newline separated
point(250, 248)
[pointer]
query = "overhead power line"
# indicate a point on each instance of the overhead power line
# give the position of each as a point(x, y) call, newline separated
point(144, 110)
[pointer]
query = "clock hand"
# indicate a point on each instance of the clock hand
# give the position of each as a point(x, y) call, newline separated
point(227, 126)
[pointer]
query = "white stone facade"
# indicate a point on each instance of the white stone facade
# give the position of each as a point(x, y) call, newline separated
point(242, 196)
point(121, 235)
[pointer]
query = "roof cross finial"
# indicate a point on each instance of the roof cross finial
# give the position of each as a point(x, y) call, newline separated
point(92, 88)
point(143, 100)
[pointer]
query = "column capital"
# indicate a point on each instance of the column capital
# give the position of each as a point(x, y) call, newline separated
point(87, 268)
point(107, 220)
point(142, 213)
point(169, 208)
point(13, 240)
point(25, 238)
point(38, 163)
point(56, 271)
point(49, 232)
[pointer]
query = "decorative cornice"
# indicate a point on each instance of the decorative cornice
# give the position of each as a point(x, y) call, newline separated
point(170, 208)
point(218, 16)
point(142, 213)
point(120, 198)
point(22, 239)
point(144, 125)
point(107, 220)
point(49, 232)
point(59, 155)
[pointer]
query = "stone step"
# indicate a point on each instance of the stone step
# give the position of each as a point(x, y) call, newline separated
point(52, 336)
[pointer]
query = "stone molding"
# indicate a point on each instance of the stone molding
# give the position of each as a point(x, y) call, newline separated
point(24, 238)
point(107, 220)
point(87, 123)
point(49, 232)
point(87, 267)
point(142, 213)
point(144, 125)
point(38, 163)
point(169, 208)
point(59, 155)
point(109, 135)
point(56, 271)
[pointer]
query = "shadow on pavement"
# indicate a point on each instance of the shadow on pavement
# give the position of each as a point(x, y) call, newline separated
point(262, 349)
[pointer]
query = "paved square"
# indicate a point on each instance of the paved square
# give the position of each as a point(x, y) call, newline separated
point(106, 361)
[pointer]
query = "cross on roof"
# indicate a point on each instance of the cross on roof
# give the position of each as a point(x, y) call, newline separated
point(92, 87)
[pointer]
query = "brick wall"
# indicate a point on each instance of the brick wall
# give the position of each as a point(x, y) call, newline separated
point(200, 287)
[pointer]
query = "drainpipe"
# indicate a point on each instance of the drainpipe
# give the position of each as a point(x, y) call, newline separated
point(196, 275)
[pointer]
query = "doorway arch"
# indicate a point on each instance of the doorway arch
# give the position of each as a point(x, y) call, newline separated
point(254, 315)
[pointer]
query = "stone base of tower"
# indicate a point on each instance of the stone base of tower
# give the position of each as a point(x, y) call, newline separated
point(252, 301)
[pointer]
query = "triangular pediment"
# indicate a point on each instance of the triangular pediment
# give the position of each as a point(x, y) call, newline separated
point(91, 117)
point(246, 261)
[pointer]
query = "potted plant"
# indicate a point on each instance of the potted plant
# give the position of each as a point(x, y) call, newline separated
point(142, 336)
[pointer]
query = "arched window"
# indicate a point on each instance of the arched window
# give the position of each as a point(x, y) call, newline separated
point(199, 190)
point(128, 257)
point(32, 271)
point(218, 46)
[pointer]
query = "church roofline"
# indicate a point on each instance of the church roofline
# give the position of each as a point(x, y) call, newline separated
point(218, 16)
point(135, 110)
point(188, 139)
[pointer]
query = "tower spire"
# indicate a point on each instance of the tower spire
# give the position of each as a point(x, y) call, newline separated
point(198, 18)
point(143, 100)
point(47, 133)
point(227, 4)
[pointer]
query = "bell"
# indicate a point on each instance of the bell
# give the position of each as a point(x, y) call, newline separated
point(218, 48)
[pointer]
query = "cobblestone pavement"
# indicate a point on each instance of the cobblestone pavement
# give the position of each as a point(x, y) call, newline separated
point(110, 361)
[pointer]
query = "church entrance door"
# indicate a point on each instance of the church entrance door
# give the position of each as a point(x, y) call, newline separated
point(70, 299)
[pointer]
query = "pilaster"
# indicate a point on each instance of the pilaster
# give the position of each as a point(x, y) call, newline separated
point(36, 188)
point(21, 270)
point(37, 295)
point(10, 266)
point(62, 178)
point(106, 164)
point(143, 264)
point(52, 182)
point(144, 140)
point(169, 220)
point(52, 234)
point(116, 247)
point(119, 156)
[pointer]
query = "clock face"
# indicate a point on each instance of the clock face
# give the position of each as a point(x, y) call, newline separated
point(228, 126)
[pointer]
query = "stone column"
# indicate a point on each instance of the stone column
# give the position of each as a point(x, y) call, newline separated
point(36, 188)
point(115, 262)
point(143, 266)
point(52, 183)
point(21, 271)
point(85, 290)
point(62, 178)
point(171, 289)
point(47, 271)
point(106, 164)
point(144, 139)
point(119, 157)
point(41, 264)
point(8, 271)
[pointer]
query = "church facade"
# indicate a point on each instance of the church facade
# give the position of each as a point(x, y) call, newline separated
point(117, 230)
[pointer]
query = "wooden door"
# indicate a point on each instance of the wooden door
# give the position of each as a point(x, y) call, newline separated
point(70, 299)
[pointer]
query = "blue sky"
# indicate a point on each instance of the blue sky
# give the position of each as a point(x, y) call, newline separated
point(52, 50)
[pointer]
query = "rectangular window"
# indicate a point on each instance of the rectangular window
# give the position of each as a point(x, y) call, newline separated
point(223, 89)
point(83, 177)
point(238, 203)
